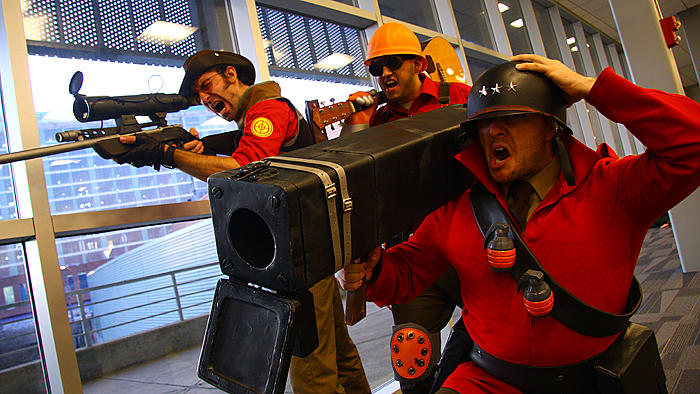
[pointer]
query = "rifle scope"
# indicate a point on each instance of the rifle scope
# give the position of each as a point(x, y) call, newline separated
point(88, 109)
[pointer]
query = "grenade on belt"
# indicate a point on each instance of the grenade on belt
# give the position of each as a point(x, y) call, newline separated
point(500, 249)
point(538, 297)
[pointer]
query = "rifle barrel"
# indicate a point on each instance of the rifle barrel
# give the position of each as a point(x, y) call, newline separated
point(51, 150)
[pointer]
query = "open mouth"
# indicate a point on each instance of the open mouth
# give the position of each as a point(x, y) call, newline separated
point(218, 106)
point(391, 84)
point(501, 154)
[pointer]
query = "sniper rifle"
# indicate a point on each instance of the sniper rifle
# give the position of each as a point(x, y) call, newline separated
point(123, 109)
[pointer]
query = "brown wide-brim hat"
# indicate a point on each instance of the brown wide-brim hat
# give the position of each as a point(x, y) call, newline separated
point(202, 61)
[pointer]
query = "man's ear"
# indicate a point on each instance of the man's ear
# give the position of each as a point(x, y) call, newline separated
point(420, 64)
point(552, 128)
point(231, 73)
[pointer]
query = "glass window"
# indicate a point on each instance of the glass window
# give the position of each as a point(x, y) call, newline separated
point(473, 23)
point(417, 12)
point(478, 66)
point(594, 53)
point(300, 51)
point(81, 180)
point(575, 49)
point(544, 22)
point(308, 48)
point(88, 37)
point(515, 26)
point(113, 30)
point(18, 336)
point(116, 261)
point(573, 44)
point(8, 208)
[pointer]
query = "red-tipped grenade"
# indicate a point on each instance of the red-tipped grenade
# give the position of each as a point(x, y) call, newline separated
point(500, 250)
point(538, 297)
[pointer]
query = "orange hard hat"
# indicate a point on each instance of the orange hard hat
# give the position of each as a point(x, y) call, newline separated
point(393, 39)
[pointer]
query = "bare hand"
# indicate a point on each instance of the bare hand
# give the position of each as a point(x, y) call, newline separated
point(194, 146)
point(127, 139)
point(360, 270)
point(574, 85)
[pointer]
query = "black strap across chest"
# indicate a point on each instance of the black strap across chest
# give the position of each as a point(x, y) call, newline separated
point(568, 309)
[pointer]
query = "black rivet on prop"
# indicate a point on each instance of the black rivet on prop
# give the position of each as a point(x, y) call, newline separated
point(399, 363)
point(421, 339)
point(410, 335)
point(424, 352)
point(399, 337)
point(421, 362)
point(396, 348)
point(411, 370)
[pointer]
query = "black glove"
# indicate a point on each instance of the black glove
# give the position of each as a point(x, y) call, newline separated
point(146, 151)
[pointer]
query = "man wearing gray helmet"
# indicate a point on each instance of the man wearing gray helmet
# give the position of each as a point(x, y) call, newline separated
point(583, 214)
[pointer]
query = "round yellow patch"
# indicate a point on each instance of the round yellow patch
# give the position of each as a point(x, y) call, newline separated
point(261, 127)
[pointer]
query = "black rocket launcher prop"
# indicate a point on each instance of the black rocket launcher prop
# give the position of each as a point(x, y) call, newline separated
point(287, 222)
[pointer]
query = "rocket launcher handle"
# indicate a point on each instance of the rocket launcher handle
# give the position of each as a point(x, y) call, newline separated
point(355, 305)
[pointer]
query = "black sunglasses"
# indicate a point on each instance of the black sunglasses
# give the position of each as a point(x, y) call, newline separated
point(393, 62)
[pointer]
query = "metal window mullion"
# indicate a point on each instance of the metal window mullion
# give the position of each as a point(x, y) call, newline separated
point(533, 29)
point(161, 12)
point(344, 39)
point(626, 137)
point(59, 21)
point(328, 43)
point(310, 40)
point(42, 266)
point(268, 33)
point(498, 28)
point(615, 128)
point(589, 70)
point(292, 43)
point(568, 60)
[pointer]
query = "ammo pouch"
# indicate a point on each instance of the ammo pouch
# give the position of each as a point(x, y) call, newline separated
point(631, 364)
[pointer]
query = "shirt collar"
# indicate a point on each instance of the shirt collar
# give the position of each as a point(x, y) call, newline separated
point(428, 87)
point(545, 180)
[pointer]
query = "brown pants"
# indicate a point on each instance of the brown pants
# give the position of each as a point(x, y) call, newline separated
point(335, 366)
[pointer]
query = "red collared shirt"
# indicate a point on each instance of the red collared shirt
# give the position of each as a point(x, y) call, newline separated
point(427, 100)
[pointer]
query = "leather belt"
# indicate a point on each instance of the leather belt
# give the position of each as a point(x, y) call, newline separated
point(573, 378)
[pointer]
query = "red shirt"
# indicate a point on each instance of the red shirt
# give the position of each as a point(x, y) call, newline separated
point(427, 100)
point(586, 236)
point(269, 124)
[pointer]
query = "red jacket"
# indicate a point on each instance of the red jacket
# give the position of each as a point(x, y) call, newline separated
point(267, 123)
point(587, 236)
point(427, 100)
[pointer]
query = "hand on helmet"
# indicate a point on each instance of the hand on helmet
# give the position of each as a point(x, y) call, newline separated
point(574, 85)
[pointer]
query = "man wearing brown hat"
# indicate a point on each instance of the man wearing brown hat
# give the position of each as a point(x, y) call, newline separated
point(268, 125)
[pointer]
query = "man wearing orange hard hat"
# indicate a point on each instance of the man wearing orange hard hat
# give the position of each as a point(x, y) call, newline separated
point(395, 57)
